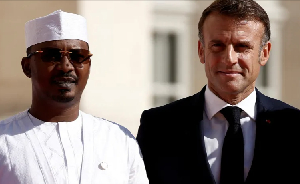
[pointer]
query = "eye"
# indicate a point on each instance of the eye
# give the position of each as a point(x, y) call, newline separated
point(242, 47)
point(79, 55)
point(76, 57)
point(217, 47)
point(50, 55)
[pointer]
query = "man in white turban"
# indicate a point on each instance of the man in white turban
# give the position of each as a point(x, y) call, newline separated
point(53, 142)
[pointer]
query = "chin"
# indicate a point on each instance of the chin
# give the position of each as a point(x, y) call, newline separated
point(232, 89)
point(64, 96)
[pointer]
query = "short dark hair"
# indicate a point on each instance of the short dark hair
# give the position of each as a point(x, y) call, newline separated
point(240, 9)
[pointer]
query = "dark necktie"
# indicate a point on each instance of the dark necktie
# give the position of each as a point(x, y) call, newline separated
point(232, 162)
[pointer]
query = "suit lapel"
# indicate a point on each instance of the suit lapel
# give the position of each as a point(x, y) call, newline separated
point(196, 147)
point(262, 141)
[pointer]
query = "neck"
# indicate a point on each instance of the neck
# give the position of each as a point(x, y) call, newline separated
point(54, 112)
point(234, 98)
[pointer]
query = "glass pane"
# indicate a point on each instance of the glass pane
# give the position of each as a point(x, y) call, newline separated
point(172, 59)
point(164, 55)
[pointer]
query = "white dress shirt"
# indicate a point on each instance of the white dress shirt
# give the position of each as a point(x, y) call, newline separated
point(215, 125)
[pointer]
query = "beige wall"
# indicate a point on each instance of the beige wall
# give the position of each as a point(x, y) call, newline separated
point(119, 36)
point(291, 54)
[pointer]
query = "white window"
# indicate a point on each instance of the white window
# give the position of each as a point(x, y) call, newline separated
point(171, 51)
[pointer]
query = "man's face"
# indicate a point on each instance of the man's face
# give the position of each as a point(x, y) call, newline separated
point(62, 82)
point(231, 53)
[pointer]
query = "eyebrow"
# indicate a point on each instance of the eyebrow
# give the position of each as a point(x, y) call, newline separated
point(245, 42)
point(251, 46)
point(215, 41)
point(240, 42)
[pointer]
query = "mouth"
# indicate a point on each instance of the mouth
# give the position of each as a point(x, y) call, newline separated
point(230, 73)
point(64, 82)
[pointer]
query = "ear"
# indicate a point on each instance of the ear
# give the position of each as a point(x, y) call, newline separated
point(265, 53)
point(201, 52)
point(90, 66)
point(26, 66)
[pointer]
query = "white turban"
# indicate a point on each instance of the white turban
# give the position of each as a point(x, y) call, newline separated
point(58, 25)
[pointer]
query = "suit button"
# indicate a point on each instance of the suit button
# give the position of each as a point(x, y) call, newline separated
point(103, 166)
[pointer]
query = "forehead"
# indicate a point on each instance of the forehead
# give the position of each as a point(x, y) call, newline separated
point(218, 26)
point(61, 44)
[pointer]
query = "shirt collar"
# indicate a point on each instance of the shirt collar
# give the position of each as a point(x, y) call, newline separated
point(37, 122)
point(214, 104)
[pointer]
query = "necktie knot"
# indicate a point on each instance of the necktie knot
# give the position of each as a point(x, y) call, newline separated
point(232, 114)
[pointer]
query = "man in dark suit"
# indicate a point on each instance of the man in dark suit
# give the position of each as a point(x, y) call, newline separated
point(194, 140)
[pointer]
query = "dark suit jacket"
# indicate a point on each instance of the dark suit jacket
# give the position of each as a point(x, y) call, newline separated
point(173, 149)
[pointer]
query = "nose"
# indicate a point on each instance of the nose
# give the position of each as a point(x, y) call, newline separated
point(65, 64)
point(231, 55)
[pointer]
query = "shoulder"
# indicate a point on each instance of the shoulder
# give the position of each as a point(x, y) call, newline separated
point(111, 136)
point(278, 110)
point(171, 116)
point(109, 127)
point(177, 107)
point(11, 125)
point(272, 104)
point(11, 132)
point(14, 118)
